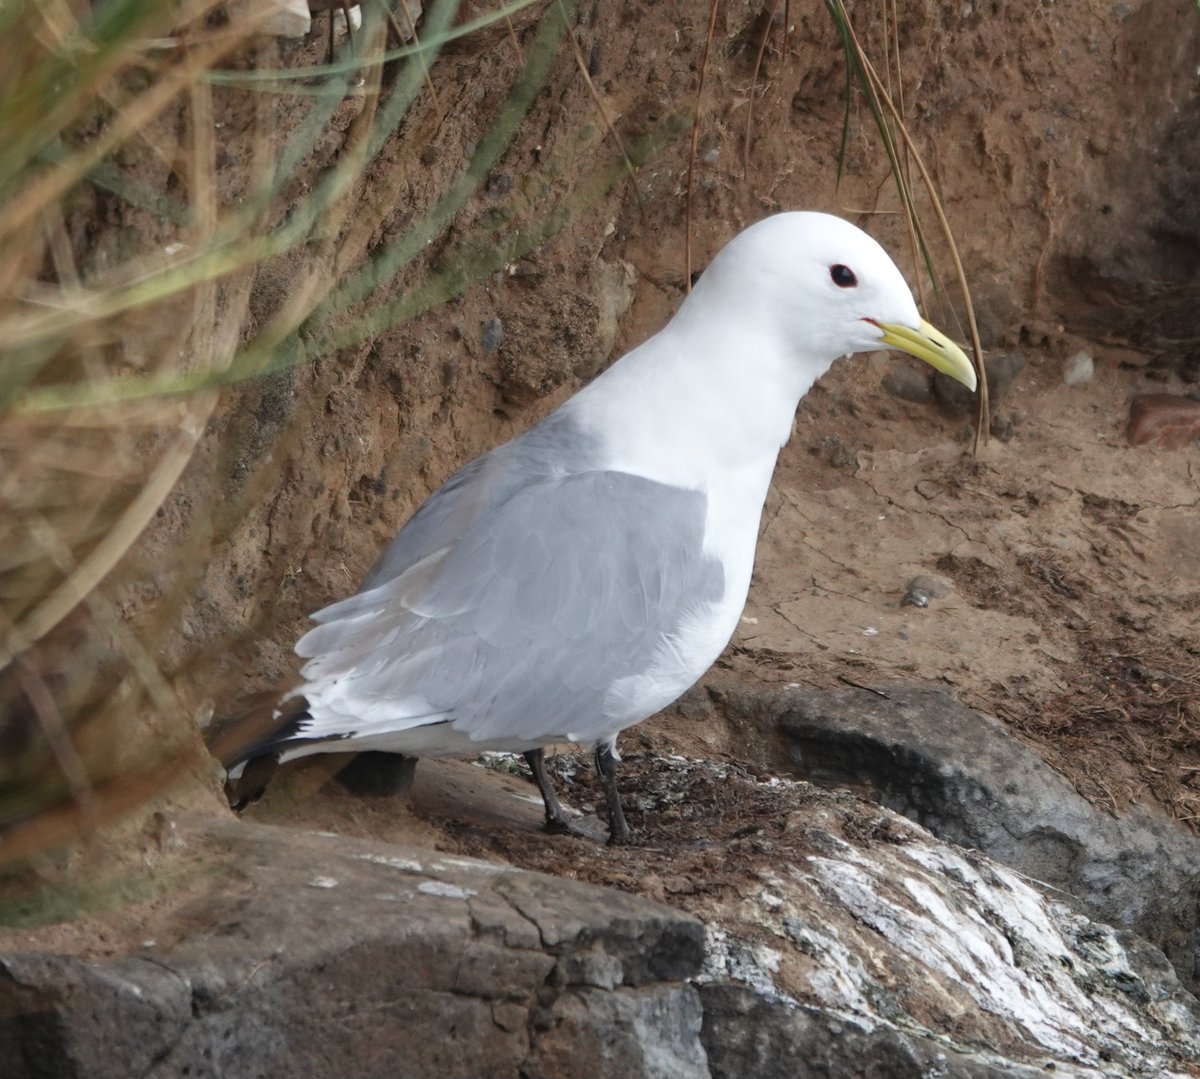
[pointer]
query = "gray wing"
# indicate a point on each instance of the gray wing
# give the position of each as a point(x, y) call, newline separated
point(555, 446)
point(518, 628)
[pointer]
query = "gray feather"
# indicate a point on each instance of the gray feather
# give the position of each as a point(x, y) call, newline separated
point(552, 587)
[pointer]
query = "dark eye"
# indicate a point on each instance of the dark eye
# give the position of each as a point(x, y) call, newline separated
point(843, 276)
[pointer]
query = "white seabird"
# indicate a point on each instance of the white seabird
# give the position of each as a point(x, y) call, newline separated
point(579, 578)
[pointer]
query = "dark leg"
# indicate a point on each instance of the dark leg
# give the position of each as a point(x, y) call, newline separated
point(606, 765)
point(556, 821)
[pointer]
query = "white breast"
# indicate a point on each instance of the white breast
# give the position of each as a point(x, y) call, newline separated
point(731, 535)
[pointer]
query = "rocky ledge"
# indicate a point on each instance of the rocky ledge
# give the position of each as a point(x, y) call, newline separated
point(853, 942)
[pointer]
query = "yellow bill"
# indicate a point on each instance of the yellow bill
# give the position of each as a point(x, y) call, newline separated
point(931, 345)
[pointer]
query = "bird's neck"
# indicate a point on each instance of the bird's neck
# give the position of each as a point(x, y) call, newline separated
point(699, 405)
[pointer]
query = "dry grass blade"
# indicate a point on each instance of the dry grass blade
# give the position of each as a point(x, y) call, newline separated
point(398, 32)
point(581, 63)
point(694, 147)
point(189, 421)
point(91, 452)
point(758, 59)
point(888, 117)
point(116, 541)
point(512, 36)
point(54, 729)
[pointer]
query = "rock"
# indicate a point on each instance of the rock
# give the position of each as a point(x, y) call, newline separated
point(613, 285)
point(925, 587)
point(1002, 427)
point(343, 24)
point(747, 1035)
point(906, 958)
point(962, 776)
point(1002, 370)
point(652, 1032)
point(834, 938)
point(378, 775)
point(1163, 420)
point(908, 383)
point(1078, 368)
point(493, 335)
point(837, 454)
point(274, 18)
point(851, 939)
point(58, 1011)
point(328, 957)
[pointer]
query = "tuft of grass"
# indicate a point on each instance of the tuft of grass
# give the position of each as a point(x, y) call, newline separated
point(117, 348)
point(887, 111)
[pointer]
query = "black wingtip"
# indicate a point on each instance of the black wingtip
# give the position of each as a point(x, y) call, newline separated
point(251, 740)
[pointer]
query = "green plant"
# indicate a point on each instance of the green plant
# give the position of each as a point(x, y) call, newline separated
point(116, 354)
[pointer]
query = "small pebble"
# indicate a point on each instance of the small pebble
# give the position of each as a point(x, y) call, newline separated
point(498, 185)
point(493, 335)
point(908, 383)
point(1078, 367)
point(1002, 427)
point(837, 453)
point(924, 588)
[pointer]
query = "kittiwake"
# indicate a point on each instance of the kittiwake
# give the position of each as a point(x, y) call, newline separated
point(576, 580)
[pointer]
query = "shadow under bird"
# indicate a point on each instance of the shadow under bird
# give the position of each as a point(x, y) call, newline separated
point(576, 580)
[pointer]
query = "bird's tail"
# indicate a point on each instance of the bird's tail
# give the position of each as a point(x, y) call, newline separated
point(248, 743)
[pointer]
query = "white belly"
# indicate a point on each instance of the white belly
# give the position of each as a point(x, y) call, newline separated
point(731, 535)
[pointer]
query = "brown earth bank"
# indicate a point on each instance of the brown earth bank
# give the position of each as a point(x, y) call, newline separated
point(1070, 555)
point(1065, 592)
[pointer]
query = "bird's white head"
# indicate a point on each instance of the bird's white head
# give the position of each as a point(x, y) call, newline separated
point(828, 289)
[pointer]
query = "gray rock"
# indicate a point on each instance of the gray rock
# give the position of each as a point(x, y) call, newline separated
point(1078, 367)
point(963, 777)
point(908, 383)
point(493, 335)
point(1002, 370)
point(924, 588)
point(321, 956)
point(652, 1032)
point(866, 946)
point(57, 1011)
point(838, 940)
point(745, 1035)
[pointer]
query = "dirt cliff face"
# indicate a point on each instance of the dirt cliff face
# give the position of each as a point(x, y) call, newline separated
point(1059, 136)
